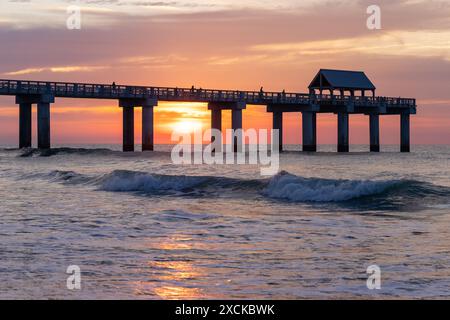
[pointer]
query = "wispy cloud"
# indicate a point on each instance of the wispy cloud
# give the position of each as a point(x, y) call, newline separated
point(397, 43)
point(225, 61)
point(98, 13)
point(143, 62)
point(60, 69)
point(150, 62)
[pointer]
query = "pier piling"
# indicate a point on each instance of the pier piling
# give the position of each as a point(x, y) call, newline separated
point(309, 129)
point(343, 132)
point(25, 125)
point(278, 124)
point(128, 129)
point(236, 124)
point(405, 132)
point(43, 113)
point(147, 128)
point(374, 128)
point(216, 123)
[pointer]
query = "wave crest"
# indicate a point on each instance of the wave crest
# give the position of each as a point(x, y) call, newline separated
point(283, 186)
point(123, 180)
point(299, 189)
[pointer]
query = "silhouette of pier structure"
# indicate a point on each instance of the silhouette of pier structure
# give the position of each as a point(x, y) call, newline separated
point(331, 91)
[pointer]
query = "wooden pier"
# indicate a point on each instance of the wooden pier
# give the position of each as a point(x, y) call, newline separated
point(331, 91)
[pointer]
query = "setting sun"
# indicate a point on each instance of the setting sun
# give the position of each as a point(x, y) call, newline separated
point(187, 126)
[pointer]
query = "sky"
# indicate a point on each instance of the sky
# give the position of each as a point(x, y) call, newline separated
point(226, 44)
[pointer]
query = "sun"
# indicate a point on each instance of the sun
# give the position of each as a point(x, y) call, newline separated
point(187, 126)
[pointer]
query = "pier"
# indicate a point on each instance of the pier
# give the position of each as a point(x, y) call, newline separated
point(339, 92)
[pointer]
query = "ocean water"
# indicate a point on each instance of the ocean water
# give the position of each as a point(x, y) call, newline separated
point(140, 227)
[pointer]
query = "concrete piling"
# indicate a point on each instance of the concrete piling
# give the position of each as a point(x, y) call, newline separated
point(128, 129)
point(43, 113)
point(236, 124)
point(147, 128)
point(278, 125)
point(25, 125)
point(343, 132)
point(216, 123)
point(309, 129)
point(405, 132)
point(374, 128)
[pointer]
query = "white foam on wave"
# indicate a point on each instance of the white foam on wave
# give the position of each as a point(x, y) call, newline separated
point(295, 188)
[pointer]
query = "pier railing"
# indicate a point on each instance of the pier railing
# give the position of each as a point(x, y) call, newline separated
point(104, 91)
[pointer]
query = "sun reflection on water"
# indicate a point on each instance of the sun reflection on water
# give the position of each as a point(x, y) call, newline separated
point(179, 293)
point(172, 279)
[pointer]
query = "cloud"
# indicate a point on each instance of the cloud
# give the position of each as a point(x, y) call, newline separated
point(24, 71)
point(142, 62)
point(400, 43)
point(61, 69)
point(225, 61)
point(168, 61)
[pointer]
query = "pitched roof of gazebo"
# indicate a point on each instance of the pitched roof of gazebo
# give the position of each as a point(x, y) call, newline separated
point(341, 79)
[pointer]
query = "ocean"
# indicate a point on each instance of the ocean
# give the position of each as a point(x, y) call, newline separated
point(140, 227)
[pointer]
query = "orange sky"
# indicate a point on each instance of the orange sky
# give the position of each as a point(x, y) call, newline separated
point(224, 45)
point(104, 124)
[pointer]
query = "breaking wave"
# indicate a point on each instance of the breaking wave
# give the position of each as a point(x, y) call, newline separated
point(282, 187)
point(299, 189)
point(135, 181)
point(138, 181)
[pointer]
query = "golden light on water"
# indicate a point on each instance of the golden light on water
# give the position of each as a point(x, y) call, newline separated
point(179, 293)
point(165, 277)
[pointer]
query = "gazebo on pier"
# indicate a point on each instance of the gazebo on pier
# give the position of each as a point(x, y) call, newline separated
point(352, 82)
point(342, 81)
